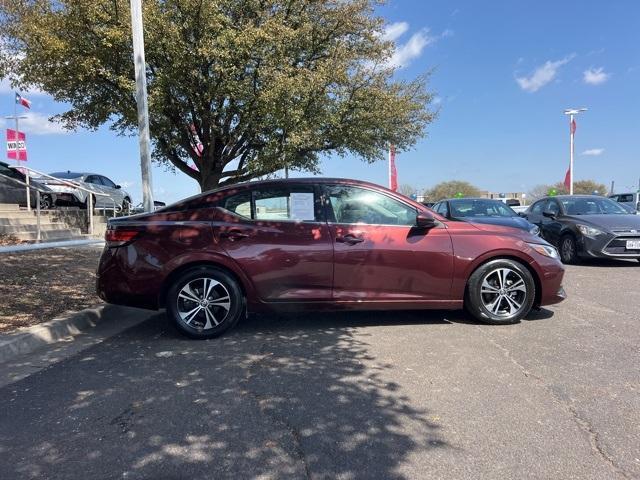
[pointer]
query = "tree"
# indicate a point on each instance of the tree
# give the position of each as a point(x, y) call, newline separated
point(237, 88)
point(407, 190)
point(585, 187)
point(451, 189)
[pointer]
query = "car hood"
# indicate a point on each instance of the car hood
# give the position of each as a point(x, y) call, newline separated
point(514, 222)
point(610, 222)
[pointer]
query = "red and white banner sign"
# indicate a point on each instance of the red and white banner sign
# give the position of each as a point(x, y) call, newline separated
point(16, 145)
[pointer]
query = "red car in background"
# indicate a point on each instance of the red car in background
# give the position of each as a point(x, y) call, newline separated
point(314, 244)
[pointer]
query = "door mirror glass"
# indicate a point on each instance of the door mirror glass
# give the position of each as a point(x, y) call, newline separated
point(425, 220)
point(118, 187)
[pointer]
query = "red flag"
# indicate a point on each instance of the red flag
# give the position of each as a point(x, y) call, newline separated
point(393, 173)
point(23, 101)
point(567, 180)
point(16, 145)
point(573, 126)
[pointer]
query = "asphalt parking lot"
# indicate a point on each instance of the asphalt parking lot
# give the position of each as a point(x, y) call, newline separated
point(349, 396)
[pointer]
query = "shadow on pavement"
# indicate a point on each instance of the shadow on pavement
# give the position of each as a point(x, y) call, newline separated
point(605, 262)
point(279, 397)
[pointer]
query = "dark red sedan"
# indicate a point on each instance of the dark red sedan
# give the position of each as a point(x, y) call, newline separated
point(319, 243)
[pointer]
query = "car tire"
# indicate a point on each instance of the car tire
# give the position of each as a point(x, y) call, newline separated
point(202, 316)
point(568, 249)
point(46, 202)
point(126, 207)
point(500, 292)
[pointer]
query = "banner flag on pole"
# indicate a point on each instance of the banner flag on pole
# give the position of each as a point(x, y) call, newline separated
point(20, 100)
point(16, 145)
point(573, 126)
point(393, 173)
point(567, 180)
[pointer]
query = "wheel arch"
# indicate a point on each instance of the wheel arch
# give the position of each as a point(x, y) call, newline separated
point(175, 273)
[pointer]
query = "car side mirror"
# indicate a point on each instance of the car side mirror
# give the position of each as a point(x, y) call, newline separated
point(522, 214)
point(425, 220)
point(118, 187)
point(549, 214)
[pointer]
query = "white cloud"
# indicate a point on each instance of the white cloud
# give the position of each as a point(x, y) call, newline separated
point(411, 50)
point(393, 31)
point(593, 152)
point(36, 124)
point(542, 75)
point(595, 76)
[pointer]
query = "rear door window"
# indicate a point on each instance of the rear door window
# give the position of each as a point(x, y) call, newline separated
point(295, 203)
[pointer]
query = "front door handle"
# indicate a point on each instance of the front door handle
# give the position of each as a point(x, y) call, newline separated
point(349, 239)
point(234, 235)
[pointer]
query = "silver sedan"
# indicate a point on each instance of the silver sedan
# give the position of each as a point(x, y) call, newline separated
point(108, 194)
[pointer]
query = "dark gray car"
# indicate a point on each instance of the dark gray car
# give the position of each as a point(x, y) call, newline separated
point(13, 190)
point(483, 210)
point(583, 226)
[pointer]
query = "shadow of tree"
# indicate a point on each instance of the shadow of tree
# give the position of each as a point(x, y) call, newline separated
point(279, 397)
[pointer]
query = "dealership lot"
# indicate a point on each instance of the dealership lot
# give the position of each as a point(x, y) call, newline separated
point(348, 395)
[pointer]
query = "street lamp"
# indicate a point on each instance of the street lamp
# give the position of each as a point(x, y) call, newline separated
point(572, 130)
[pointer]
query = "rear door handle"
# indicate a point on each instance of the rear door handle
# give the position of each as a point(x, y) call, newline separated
point(234, 235)
point(349, 239)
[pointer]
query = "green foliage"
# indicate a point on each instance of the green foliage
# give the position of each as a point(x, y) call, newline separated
point(451, 189)
point(585, 187)
point(259, 83)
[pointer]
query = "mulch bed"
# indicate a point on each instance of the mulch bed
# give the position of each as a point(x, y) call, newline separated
point(41, 285)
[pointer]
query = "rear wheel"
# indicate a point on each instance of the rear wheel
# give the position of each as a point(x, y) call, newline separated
point(500, 292)
point(205, 302)
point(568, 250)
point(46, 202)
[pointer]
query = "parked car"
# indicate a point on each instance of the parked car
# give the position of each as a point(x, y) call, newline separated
point(630, 200)
point(319, 244)
point(584, 226)
point(157, 205)
point(15, 192)
point(115, 197)
point(483, 210)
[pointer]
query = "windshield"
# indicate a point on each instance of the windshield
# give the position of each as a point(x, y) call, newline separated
point(67, 175)
point(480, 208)
point(592, 206)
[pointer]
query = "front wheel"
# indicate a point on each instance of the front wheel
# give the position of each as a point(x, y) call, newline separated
point(500, 292)
point(568, 250)
point(205, 302)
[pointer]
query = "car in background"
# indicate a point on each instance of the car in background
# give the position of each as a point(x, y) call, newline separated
point(630, 200)
point(483, 210)
point(109, 195)
point(319, 244)
point(587, 226)
point(13, 190)
point(157, 205)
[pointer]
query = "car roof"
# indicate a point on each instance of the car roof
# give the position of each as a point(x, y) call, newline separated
point(470, 198)
point(575, 196)
point(285, 181)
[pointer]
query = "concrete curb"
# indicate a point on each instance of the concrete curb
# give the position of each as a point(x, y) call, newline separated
point(60, 244)
point(65, 328)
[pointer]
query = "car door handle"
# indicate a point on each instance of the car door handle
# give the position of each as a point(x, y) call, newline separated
point(349, 239)
point(234, 235)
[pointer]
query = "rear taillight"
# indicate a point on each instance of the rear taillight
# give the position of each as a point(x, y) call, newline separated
point(120, 236)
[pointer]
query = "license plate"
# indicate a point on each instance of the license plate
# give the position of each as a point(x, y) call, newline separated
point(633, 244)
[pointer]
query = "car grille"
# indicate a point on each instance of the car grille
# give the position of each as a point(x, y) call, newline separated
point(618, 246)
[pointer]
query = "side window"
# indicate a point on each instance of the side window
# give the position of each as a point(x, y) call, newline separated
point(442, 209)
point(538, 207)
point(239, 204)
point(108, 183)
point(553, 207)
point(358, 205)
point(94, 179)
point(295, 203)
point(625, 198)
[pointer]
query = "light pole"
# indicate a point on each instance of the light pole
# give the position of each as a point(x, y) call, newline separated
point(572, 130)
point(141, 100)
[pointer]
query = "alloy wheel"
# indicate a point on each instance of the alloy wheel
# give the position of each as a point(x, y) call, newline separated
point(503, 292)
point(568, 249)
point(203, 303)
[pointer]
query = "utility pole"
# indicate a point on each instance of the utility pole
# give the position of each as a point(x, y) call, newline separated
point(612, 185)
point(141, 100)
point(572, 130)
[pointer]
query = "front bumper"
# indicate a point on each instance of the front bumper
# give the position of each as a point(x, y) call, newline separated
point(608, 245)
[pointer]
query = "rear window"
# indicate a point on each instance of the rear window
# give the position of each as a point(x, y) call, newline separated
point(66, 175)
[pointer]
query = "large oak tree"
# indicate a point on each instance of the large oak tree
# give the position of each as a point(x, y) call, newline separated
point(237, 88)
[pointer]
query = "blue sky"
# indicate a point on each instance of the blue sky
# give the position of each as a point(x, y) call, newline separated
point(503, 73)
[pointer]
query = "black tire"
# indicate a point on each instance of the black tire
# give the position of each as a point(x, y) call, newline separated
point(568, 249)
point(197, 326)
point(46, 202)
point(479, 299)
point(85, 205)
point(126, 206)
